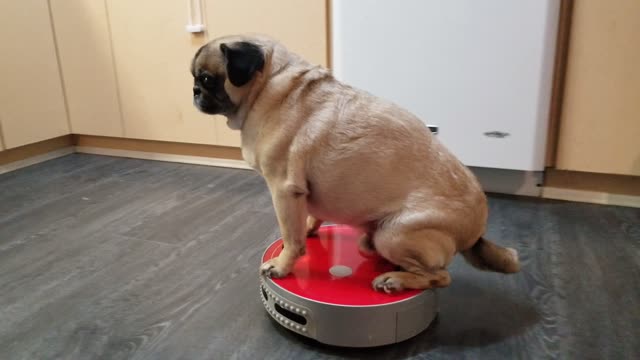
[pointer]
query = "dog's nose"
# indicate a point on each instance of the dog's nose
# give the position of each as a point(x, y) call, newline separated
point(196, 91)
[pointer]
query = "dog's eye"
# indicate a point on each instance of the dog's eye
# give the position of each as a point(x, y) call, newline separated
point(207, 80)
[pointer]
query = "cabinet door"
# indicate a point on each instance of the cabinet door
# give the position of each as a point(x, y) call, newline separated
point(152, 53)
point(299, 25)
point(32, 104)
point(86, 62)
point(600, 124)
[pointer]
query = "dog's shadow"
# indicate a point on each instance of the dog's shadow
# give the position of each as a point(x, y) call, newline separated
point(472, 314)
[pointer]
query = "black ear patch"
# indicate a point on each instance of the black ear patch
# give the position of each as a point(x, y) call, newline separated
point(243, 60)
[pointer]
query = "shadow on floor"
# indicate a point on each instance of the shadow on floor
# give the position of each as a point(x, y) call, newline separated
point(470, 316)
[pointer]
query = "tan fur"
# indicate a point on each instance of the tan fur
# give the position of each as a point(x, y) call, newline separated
point(486, 255)
point(337, 153)
point(313, 225)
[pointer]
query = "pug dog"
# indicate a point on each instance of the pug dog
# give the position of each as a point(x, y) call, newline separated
point(331, 152)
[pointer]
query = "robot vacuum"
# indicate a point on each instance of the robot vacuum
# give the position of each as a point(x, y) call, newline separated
point(328, 296)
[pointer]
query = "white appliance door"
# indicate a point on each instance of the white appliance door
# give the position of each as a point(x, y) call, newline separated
point(481, 70)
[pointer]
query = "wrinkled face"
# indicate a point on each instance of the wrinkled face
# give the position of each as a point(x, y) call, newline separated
point(215, 64)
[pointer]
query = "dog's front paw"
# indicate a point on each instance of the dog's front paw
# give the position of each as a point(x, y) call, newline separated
point(388, 283)
point(272, 269)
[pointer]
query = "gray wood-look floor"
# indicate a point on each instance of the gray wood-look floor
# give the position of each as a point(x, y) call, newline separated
point(111, 258)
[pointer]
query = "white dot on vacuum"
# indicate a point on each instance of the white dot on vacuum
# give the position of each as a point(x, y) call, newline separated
point(340, 271)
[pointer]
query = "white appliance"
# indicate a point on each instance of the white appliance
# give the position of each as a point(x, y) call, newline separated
point(480, 70)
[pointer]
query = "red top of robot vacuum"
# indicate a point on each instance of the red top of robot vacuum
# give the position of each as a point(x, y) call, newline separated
point(335, 251)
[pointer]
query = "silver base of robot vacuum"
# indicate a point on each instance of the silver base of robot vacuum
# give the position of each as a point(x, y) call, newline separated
point(349, 326)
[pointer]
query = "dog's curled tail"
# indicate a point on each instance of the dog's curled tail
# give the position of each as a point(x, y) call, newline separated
point(486, 255)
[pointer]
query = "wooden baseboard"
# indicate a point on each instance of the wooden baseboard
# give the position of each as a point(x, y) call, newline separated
point(210, 155)
point(594, 182)
point(35, 159)
point(595, 188)
point(35, 149)
point(187, 159)
point(27, 155)
point(593, 197)
point(159, 147)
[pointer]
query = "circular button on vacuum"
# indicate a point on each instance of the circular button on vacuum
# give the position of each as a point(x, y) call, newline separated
point(340, 271)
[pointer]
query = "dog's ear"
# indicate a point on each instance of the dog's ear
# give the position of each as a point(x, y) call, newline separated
point(243, 59)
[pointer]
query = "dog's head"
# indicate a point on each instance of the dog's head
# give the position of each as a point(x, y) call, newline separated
point(223, 72)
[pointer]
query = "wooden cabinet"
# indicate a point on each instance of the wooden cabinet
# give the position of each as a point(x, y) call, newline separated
point(300, 25)
point(86, 62)
point(124, 65)
point(152, 53)
point(32, 106)
point(600, 123)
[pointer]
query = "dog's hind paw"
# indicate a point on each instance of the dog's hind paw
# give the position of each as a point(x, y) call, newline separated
point(388, 283)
